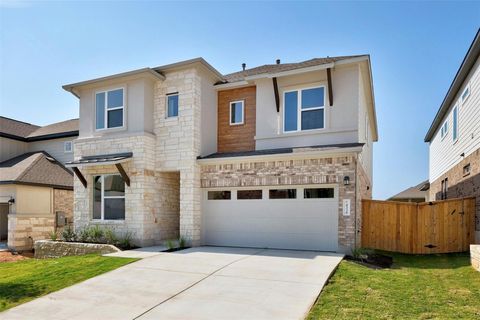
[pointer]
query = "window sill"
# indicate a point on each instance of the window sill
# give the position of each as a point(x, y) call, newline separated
point(96, 221)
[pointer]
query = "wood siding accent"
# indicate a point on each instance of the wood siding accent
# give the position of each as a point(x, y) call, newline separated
point(433, 227)
point(232, 138)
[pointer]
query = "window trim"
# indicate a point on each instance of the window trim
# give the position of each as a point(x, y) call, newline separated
point(105, 111)
point(443, 134)
point(65, 146)
point(166, 105)
point(467, 88)
point(300, 110)
point(103, 197)
point(455, 125)
point(243, 113)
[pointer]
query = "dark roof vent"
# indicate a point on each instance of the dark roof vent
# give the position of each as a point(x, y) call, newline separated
point(244, 65)
point(278, 61)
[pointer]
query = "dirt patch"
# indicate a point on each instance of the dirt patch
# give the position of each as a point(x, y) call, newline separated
point(7, 256)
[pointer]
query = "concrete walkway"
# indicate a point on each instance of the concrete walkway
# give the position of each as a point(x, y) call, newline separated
point(197, 283)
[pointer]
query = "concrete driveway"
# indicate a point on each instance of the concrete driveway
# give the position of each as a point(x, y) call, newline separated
point(197, 283)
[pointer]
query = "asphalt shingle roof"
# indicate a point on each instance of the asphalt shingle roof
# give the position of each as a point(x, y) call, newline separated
point(274, 68)
point(16, 128)
point(281, 150)
point(28, 132)
point(55, 128)
point(36, 168)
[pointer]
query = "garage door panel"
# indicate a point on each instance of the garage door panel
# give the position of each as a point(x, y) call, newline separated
point(304, 224)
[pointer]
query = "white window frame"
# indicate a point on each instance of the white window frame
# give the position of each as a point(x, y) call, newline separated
point(106, 109)
point(443, 133)
point(103, 197)
point(467, 87)
point(65, 143)
point(166, 105)
point(455, 125)
point(300, 110)
point(243, 113)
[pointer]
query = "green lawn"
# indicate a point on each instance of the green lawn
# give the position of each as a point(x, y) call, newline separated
point(416, 287)
point(26, 280)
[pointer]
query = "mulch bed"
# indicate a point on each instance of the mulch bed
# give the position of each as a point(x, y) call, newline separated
point(373, 260)
point(7, 256)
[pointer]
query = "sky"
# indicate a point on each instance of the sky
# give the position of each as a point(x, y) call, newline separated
point(416, 48)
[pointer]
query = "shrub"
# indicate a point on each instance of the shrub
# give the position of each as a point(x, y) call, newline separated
point(84, 235)
point(110, 237)
point(170, 244)
point(69, 235)
point(125, 242)
point(95, 234)
point(182, 242)
point(53, 235)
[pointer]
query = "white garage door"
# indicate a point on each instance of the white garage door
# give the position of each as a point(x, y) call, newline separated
point(298, 217)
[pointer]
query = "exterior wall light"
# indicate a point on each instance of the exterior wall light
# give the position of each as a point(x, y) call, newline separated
point(11, 201)
point(346, 180)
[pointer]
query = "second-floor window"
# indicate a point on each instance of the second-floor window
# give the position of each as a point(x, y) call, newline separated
point(236, 112)
point(109, 107)
point(455, 124)
point(172, 105)
point(68, 146)
point(304, 109)
point(444, 129)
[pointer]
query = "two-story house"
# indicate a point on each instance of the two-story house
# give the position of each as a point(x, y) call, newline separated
point(275, 156)
point(36, 190)
point(454, 136)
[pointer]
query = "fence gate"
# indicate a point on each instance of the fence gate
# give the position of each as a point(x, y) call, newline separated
point(429, 227)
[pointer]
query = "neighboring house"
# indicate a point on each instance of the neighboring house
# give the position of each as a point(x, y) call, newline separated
point(35, 187)
point(418, 193)
point(454, 136)
point(275, 156)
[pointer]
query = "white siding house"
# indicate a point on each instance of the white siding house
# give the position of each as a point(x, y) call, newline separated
point(454, 136)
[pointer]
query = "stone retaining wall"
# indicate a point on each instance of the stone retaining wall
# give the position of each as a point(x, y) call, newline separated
point(56, 249)
point(475, 256)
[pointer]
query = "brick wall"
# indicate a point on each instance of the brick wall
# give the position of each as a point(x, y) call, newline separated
point(236, 137)
point(460, 185)
point(294, 172)
point(63, 201)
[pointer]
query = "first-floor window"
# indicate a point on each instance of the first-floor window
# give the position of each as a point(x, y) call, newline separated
point(109, 197)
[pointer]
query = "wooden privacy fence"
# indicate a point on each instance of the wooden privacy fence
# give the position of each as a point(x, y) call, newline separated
point(429, 227)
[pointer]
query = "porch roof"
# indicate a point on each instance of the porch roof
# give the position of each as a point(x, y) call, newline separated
point(103, 159)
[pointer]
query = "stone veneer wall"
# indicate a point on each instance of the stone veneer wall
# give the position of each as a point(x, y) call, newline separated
point(294, 172)
point(24, 230)
point(55, 249)
point(178, 144)
point(140, 212)
point(460, 186)
point(475, 256)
